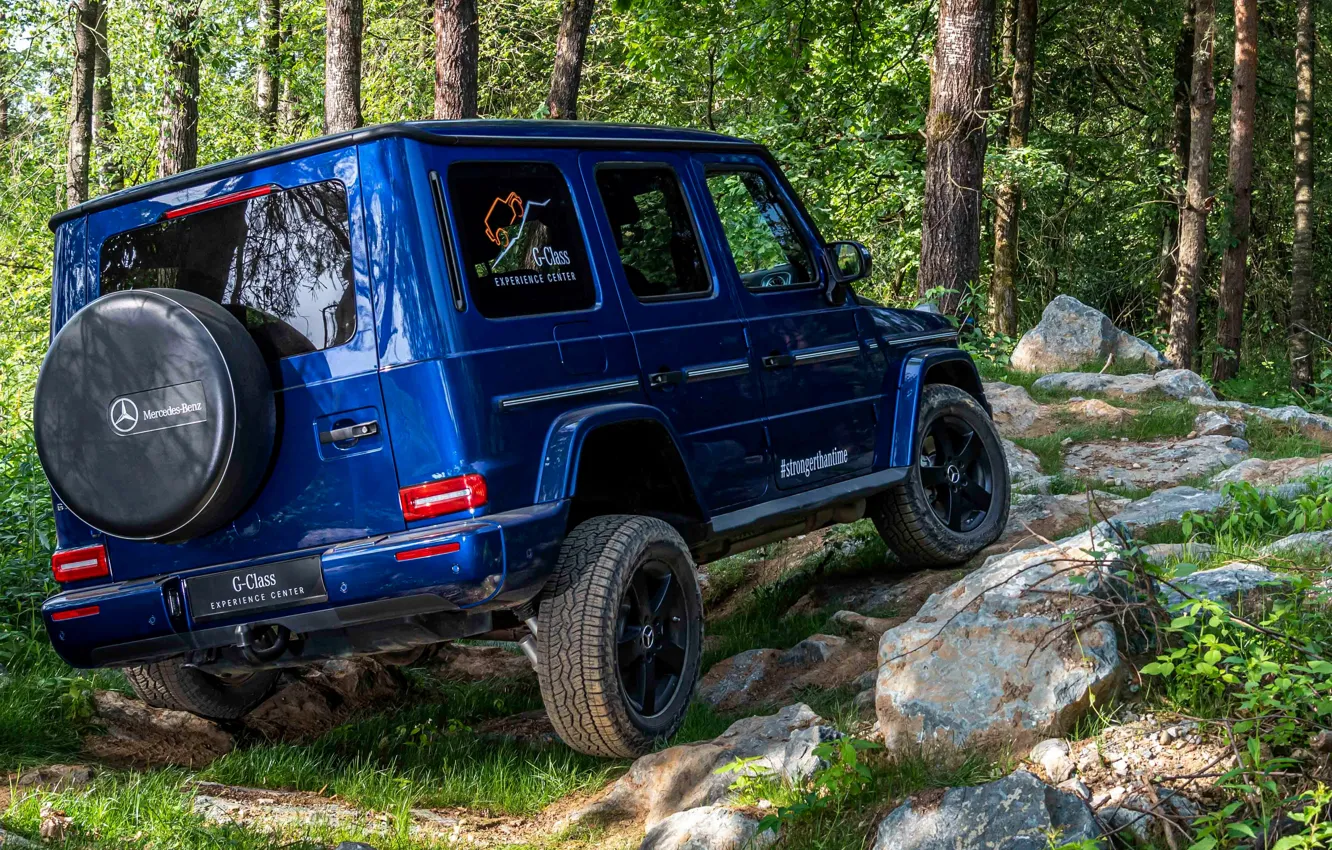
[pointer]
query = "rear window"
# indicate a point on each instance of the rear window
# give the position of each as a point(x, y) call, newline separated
point(521, 243)
point(281, 263)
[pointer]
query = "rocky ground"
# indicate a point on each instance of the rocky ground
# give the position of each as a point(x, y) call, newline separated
point(1005, 699)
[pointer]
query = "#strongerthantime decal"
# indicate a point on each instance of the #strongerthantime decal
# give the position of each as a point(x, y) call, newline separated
point(821, 460)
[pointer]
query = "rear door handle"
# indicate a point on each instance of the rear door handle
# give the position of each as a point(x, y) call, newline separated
point(666, 378)
point(349, 432)
point(779, 361)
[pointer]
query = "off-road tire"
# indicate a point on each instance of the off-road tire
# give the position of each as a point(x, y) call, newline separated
point(169, 684)
point(903, 516)
point(576, 635)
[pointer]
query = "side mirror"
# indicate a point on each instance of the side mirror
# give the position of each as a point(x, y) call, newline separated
point(850, 261)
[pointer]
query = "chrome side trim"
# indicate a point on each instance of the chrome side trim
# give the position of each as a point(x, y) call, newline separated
point(721, 370)
point(821, 355)
point(919, 338)
point(571, 392)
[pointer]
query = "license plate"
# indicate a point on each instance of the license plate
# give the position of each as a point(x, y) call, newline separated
point(284, 584)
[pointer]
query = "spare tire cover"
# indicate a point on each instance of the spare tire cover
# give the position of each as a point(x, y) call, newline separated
point(154, 415)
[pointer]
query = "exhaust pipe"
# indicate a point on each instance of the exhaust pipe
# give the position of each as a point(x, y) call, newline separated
point(527, 643)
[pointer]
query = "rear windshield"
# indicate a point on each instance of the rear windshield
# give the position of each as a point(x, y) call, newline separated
point(281, 263)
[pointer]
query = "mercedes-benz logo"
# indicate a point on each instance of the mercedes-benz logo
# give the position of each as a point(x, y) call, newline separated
point(124, 415)
point(954, 474)
point(648, 637)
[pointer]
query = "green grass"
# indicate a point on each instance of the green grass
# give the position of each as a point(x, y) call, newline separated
point(426, 755)
point(1271, 440)
point(762, 619)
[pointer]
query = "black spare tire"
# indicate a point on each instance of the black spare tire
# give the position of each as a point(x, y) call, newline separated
point(154, 415)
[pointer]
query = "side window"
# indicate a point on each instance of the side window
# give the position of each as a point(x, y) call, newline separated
point(521, 243)
point(280, 262)
point(768, 251)
point(653, 232)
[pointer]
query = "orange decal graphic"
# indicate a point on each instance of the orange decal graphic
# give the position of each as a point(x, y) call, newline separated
point(503, 213)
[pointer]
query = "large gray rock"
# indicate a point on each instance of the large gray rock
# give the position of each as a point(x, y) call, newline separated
point(1224, 423)
point(685, 777)
point(1318, 543)
point(1272, 473)
point(1314, 425)
point(759, 677)
point(1034, 520)
point(1024, 469)
point(708, 828)
point(1225, 584)
point(1015, 412)
point(1070, 334)
point(991, 662)
point(1018, 812)
point(1163, 508)
point(1155, 464)
point(1169, 383)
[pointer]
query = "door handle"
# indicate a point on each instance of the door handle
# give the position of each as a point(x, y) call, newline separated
point(349, 432)
point(779, 361)
point(666, 378)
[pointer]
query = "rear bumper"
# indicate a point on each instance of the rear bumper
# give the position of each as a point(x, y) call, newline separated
point(501, 561)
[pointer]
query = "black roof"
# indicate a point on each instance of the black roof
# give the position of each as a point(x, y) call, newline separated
point(524, 133)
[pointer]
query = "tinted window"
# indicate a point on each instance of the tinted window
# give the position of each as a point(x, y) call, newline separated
point(522, 247)
point(653, 231)
point(767, 249)
point(281, 263)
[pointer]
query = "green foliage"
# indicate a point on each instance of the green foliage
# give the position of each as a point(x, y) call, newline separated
point(1256, 516)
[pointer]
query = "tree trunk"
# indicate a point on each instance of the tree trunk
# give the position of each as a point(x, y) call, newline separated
point(103, 108)
point(1301, 288)
point(575, 19)
point(342, 66)
point(1179, 146)
point(1230, 298)
point(80, 103)
point(268, 73)
point(456, 40)
point(178, 141)
point(955, 150)
point(1008, 201)
point(1193, 217)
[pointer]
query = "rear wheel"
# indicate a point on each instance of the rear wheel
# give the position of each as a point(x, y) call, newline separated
point(620, 636)
point(170, 684)
point(954, 501)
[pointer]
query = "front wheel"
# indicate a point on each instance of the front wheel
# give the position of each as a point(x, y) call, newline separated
point(620, 636)
point(954, 500)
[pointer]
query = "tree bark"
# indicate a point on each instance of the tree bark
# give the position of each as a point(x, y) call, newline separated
point(955, 150)
point(456, 45)
point(575, 19)
point(268, 72)
point(178, 141)
point(1008, 200)
point(112, 177)
point(1193, 217)
point(80, 103)
point(4, 79)
point(1230, 298)
point(1301, 288)
point(342, 65)
point(1179, 146)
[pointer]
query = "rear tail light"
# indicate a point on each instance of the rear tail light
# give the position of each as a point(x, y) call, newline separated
point(436, 498)
point(79, 564)
point(75, 613)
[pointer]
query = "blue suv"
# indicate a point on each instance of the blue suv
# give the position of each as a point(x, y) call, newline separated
point(511, 380)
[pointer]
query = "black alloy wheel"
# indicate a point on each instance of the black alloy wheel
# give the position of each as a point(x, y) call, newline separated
point(955, 471)
point(651, 636)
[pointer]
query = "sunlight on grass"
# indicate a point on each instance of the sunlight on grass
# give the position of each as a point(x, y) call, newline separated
point(426, 755)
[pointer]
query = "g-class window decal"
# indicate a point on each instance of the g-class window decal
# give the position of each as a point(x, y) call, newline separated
point(280, 262)
point(521, 242)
